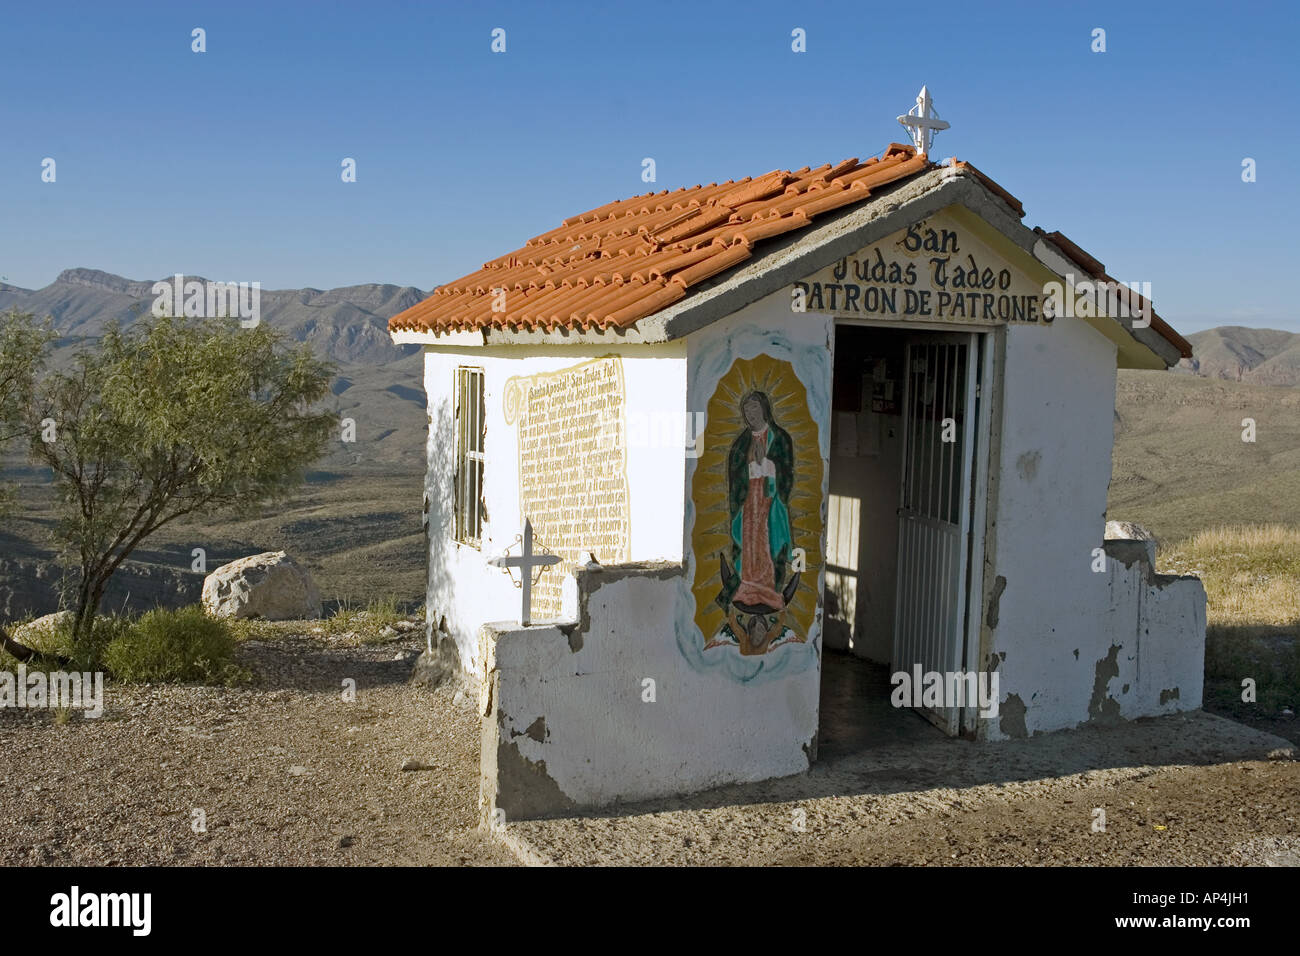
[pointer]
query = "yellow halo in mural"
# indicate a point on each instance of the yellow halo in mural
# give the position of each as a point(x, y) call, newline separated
point(751, 493)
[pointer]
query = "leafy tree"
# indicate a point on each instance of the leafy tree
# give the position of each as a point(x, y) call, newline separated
point(169, 418)
point(22, 355)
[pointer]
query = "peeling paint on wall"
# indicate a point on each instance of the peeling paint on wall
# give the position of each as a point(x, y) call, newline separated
point(1027, 464)
point(995, 598)
point(1103, 708)
point(524, 788)
point(591, 578)
point(810, 749)
point(536, 731)
point(1012, 717)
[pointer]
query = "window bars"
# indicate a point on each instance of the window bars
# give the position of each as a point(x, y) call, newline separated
point(469, 455)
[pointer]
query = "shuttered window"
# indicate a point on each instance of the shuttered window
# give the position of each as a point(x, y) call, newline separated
point(469, 455)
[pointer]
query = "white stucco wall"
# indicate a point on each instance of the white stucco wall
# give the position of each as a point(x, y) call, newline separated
point(1057, 618)
point(603, 738)
point(461, 585)
point(715, 719)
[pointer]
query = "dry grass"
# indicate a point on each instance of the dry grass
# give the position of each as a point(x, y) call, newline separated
point(1251, 574)
point(349, 625)
point(364, 623)
point(1252, 583)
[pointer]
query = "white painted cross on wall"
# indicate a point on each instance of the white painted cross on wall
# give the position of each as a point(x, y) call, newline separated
point(525, 561)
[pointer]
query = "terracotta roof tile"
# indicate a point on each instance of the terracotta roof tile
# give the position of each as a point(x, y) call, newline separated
point(772, 226)
point(758, 189)
point(723, 259)
point(674, 260)
point(702, 219)
point(1089, 263)
point(825, 200)
point(620, 262)
point(665, 295)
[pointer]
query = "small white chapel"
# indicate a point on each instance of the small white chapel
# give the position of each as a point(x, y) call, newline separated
point(691, 449)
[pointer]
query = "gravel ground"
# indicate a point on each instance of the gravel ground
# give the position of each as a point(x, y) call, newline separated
point(1191, 789)
point(285, 771)
point(1235, 814)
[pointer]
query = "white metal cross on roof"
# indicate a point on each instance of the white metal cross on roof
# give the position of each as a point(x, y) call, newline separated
point(922, 122)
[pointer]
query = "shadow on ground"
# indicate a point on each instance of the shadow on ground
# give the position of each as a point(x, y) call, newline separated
point(868, 747)
point(299, 663)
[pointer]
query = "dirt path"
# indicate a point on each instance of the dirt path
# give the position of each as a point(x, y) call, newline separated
point(1190, 789)
point(1234, 814)
point(286, 773)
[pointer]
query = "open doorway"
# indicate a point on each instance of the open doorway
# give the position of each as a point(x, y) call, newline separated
point(899, 519)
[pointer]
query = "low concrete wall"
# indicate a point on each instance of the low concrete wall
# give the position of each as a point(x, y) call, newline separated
point(1133, 645)
point(570, 722)
point(1163, 667)
point(606, 709)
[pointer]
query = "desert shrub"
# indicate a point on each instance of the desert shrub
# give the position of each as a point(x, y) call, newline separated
point(366, 621)
point(166, 646)
point(1274, 665)
point(258, 629)
point(86, 653)
point(62, 648)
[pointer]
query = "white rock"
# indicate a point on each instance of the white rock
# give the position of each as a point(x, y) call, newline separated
point(1127, 531)
point(271, 586)
point(39, 634)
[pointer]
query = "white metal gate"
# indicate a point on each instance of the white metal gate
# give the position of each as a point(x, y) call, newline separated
point(934, 516)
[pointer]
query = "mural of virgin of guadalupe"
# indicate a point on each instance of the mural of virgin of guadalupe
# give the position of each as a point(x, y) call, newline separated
point(755, 587)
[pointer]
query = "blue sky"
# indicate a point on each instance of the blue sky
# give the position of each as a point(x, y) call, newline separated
point(227, 163)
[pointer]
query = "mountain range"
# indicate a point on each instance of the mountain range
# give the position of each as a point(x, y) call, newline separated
point(378, 384)
point(1239, 354)
point(349, 325)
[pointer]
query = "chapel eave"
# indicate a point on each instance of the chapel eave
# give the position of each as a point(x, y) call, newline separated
point(788, 259)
